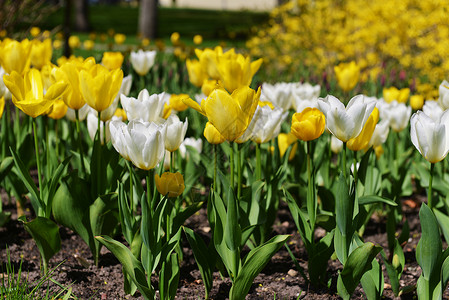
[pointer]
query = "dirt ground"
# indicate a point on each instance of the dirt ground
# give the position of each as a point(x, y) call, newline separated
point(278, 280)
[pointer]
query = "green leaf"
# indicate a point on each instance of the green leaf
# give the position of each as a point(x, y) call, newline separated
point(46, 235)
point(301, 220)
point(344, 210)
point(103, 218)
point(357, 264)
point(70, 208)
point(6, 166)
point(429, 248)
point(395, 267)
point(318, 258)
point(23, 173)
point(232, 231)
point(169, 277)
point(372, 199)
point(53, 184)
point(254, 262)
point(443, 220)
point(203, 257)
point(132, 266)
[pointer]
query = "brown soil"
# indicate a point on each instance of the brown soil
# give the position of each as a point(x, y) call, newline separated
point(278, 280)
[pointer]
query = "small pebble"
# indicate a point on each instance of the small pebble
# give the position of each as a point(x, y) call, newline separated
point(292, 273)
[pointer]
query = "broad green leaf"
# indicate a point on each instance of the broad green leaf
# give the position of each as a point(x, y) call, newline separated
point(203, 257)
point(103, 218)
point(23, 173)
point(169, 277)
point(132, 266)
point(344, 209)
point(443, 220)
point(395, 267)
point(232, 230)
point(6, 166)
point(357, 264)
point(253, 264)
point(429, 248)
point(371, 199)
point(53, 184)
point(301, 220)
point(71, 208)
point(46, 235)
point(318, 258)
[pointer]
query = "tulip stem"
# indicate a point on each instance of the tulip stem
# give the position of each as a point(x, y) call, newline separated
point(239, 171)
point(131, 187)
point(231, 161)
point(215, 167)
point(38, 160)
point(80, 145)
point(258, 163)
point(149, 189)
point(99, 155)
point(355, 170)
point(172, 162)
point(343, 161)
point(429, 196)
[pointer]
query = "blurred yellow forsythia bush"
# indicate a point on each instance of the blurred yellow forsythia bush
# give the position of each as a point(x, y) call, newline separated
point(411, 35)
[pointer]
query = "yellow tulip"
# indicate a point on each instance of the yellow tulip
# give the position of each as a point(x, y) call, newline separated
point(121, 113)
point(229, 113)
point(59, 110)
point(362, 140)
point(197, 39)
point(88, 44)
point(35, 31)
point(392, 93)
point(210, 85)
point(28, 92)
point(41, 53)
point(119, 38)
point(416, 102)
point(212, 135)
point(74, 42)
point(99, 86)
point(308, 124)
point(170, 184)
point(2, 105)
point(174, 38)
point(208, 59)
point(70, 72)
point(196, 73)
point(347, 75)
point(15, 56)
point(176, 102)
point(57, 44)
point(284, 141)
point(112, 60)
point(237, 71)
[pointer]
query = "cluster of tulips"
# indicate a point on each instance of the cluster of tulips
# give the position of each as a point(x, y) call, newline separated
point(94, 186)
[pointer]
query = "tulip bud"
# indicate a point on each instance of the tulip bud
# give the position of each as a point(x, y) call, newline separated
point(308, 124)
point(170, 184)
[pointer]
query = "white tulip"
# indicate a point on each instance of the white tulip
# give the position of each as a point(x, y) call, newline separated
point(380, 134)
point(443, 98)
point(142, 61)
point(279, 94)
point(336, 144)
point(346, 122)
point(432, 109)
point(197, 144)
point(430, 137)
point(176, 131)
point(266, 123)
point(140, 142)
point(397, 114)
point(82, 113)
point(92, 126)
point(145, 108)
point(3, 89)
point(305, 95)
